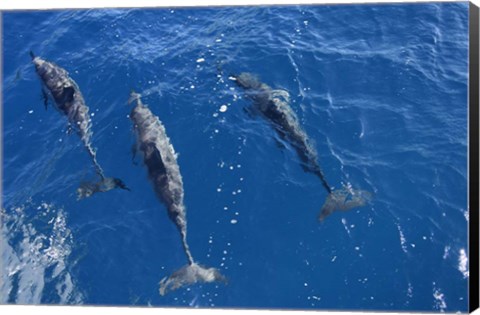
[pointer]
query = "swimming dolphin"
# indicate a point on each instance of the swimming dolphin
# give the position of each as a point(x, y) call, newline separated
point(274, 106)
point(68, 100)
point(164, 173)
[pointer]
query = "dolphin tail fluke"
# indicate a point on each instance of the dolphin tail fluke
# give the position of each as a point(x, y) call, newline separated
point(87, 189)
point(188, 275)
point(344, 199)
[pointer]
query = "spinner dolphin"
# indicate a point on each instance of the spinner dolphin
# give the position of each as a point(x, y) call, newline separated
point(160, 160)
point(274, 106)
point(68, 100)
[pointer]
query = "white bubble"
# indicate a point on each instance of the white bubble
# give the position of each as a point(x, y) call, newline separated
point(200, 60)
point(30, 111)
point(234, 221)
point(463, 263)
point(223, 108)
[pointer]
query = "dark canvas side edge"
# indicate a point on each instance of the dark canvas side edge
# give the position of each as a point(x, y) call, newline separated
point(473, 157)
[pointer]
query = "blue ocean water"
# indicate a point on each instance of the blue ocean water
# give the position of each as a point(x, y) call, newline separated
point(381, 90)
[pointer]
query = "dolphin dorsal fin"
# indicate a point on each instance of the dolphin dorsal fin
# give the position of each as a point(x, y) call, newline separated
point(68, 93)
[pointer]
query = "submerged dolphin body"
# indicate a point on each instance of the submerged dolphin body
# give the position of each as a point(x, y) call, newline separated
point(68, 100)
point(164, 173)
point(274, 106)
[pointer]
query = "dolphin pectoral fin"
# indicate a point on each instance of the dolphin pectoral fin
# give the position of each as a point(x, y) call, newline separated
point(45, 98)
point(134, 153)
point(344, 199)
point(188, 275)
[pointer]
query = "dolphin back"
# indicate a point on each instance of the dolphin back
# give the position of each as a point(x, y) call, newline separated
point(188, 275)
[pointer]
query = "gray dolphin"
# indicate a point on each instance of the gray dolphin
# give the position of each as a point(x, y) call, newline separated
point(274, 106)
point(160, 160)
point(68, 100)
